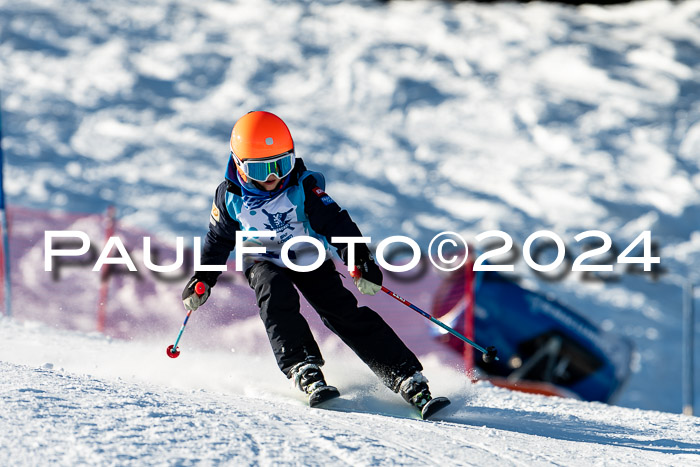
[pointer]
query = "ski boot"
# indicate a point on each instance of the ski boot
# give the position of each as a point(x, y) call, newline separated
point(309, 379)
point(414, 389)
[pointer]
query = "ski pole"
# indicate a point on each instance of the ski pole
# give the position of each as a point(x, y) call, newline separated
point(173, 351)
point(489, 353)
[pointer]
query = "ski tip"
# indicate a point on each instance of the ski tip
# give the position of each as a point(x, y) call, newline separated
point(323, 394)
point(435, 404)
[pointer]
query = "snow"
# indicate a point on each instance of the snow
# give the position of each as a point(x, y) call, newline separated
point(86, 399)
point(424, 116)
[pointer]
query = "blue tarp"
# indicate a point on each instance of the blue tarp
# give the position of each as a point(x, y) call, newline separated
point(540, 339)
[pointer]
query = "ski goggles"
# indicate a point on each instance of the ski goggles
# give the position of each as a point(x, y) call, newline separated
point(260, 169)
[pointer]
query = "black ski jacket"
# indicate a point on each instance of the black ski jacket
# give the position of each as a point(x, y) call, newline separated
point(324, 216)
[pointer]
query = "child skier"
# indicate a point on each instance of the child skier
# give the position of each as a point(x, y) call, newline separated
point(267, 187)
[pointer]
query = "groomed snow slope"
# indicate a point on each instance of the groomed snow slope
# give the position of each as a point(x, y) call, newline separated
point(68, 399)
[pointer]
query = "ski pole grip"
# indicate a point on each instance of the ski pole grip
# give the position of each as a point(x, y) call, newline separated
point(355, 273)
point(200, 288)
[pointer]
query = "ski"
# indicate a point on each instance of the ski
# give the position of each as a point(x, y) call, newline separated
point(322, 394)
point(340, 405)
point(435, 404)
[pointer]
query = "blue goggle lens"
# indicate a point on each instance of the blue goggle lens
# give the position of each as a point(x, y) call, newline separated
point(260, 170)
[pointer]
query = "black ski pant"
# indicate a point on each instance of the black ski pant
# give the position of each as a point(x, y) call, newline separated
point(361, 328)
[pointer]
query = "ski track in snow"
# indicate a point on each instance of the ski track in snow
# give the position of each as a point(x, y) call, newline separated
point(63, 414)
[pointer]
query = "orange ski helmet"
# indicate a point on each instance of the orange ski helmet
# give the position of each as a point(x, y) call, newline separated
point(261, 145)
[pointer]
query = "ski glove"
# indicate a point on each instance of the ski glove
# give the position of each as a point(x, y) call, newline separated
point(367, 275)
point(366, 287)
point(190, 298)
